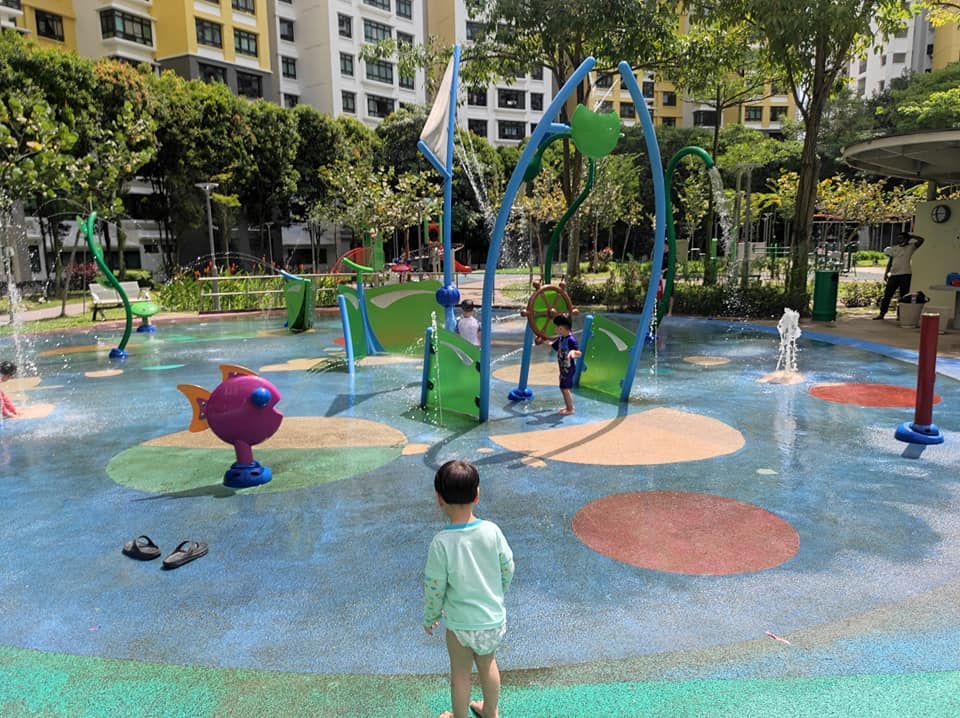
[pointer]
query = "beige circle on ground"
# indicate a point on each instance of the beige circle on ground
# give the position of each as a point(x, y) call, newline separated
point(32, 411)
point(101, 373)
point(704, 360)
point(293, 365)
point(781, 377)
point(415, 449)
point(298, 432)
point(542, 373)
point(20, 384)
point(657, 436)
point(77, 350)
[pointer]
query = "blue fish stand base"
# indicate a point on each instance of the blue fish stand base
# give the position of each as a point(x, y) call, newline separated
point(243, 476)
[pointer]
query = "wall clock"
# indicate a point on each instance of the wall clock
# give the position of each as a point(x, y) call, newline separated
point(940, 213)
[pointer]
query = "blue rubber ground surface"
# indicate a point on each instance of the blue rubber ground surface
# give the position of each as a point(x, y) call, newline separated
point(323, 582)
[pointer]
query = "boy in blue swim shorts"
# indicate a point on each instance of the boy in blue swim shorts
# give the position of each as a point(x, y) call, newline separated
point(568, 351)
point(469, 569)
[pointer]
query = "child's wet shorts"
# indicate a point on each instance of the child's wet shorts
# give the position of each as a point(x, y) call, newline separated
point(566, 380)
point(481, 642)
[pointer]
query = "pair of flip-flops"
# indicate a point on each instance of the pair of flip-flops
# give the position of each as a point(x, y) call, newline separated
point(143, 548)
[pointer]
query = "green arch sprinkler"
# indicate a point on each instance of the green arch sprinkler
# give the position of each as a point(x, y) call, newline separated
point(671, 231)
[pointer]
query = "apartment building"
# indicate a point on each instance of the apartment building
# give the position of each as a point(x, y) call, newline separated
point(50, 23)
point(317, 60)
point(506, 113)
point(910, 50)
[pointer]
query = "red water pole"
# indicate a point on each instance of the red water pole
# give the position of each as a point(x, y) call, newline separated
point(922, 430)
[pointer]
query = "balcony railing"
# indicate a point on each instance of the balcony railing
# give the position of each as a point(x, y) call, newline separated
point(15, 4)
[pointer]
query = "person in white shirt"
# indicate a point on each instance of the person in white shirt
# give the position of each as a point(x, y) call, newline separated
point(467, 325)
point(898, 273)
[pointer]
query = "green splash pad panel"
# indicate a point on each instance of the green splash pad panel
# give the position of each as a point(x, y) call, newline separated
point(193, 471)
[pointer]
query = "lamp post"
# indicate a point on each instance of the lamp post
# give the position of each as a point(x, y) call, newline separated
point(207, 188)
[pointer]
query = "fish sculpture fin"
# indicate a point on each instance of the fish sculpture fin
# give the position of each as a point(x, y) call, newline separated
point(198, 397)
point(229, 371)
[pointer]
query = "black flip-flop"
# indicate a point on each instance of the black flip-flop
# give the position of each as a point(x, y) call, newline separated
point(186, 552)
point(475, 712)
point(142, 550)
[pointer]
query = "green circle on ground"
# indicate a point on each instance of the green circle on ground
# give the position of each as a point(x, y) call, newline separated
point(199, 472)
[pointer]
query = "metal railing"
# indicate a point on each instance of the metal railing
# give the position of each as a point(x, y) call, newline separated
point(259, 292)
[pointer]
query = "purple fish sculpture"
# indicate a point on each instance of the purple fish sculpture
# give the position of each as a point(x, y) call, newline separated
point(240, 411)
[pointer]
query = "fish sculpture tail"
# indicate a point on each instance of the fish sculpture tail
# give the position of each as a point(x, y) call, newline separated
point(198, 397)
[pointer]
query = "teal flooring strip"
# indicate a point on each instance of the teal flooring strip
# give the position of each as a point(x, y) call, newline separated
point(34, 683)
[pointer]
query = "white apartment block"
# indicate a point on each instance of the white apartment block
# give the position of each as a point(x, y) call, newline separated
point(316, 57)
point(121, 29)
point(909, 51)
point(506, 112)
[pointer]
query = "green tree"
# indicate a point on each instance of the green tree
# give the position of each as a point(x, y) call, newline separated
point(512, 38)
point(812, 41)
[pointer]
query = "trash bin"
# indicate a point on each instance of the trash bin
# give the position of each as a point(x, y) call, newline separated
point(910, 307)
point(825, 285)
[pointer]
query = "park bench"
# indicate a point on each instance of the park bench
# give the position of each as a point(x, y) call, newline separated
point(108, 297)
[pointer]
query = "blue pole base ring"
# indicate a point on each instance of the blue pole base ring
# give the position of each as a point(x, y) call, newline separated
point(242, 476)
point(146, 328)
point(918, 434)
point(518, 394)
point(118, 353)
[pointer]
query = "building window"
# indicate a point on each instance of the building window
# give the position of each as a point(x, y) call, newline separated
point(862, 86)
point(212, 73)
point(286, 29)
point(404, 39)
point(349, 102)
point(753, 114)
point(346, 64)
point(245, 43)
point(405, 9)
point(536, 101)
point(604, 80)
point(777, 113)
point(775, 89)
point(477, 98)
point(380, 71)
point(478, 127)
point(605, 106)
point(536, 73)
point(208, 33)
point(249, 85)
point(245, 6)
point(49, 25)
point(407, 83)
point(376, 31)
point(881, 85)
point(627, 110)
point(114, 23)
point(902, 32)
point(382, 4)
point(507, 130)
point(474, 29)
point(290, 100)
point(863, 66)
point(379, 106)
point(510, 99)
point(705, 118)
point(669, 99)
point(899, 58)
point(288, 66)
point(647, 89)
point(288, 2)
point(344, 25)
point(883, 60)
point(668, 121)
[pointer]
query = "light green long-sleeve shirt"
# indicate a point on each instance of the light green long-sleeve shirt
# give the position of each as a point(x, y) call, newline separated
point(469, 569)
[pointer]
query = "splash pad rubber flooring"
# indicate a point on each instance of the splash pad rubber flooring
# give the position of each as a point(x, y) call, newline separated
point(724, 546)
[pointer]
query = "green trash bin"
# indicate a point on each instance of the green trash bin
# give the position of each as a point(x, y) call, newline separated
point(825, 287)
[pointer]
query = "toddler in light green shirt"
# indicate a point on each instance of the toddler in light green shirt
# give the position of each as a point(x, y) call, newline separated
point(469, 569)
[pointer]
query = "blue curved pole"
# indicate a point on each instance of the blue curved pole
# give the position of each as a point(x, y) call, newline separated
point(543, 127)
point(660, 205)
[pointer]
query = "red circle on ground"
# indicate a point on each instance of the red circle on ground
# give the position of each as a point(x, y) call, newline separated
point(876, 395)
point(688, 533)
point(340, 341)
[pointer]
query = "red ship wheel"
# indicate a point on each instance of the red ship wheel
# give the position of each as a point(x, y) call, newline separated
point(544, 304)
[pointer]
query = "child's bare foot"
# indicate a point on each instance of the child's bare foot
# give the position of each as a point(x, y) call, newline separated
point(476, 707)
point(565, 412)
point(445, 714)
